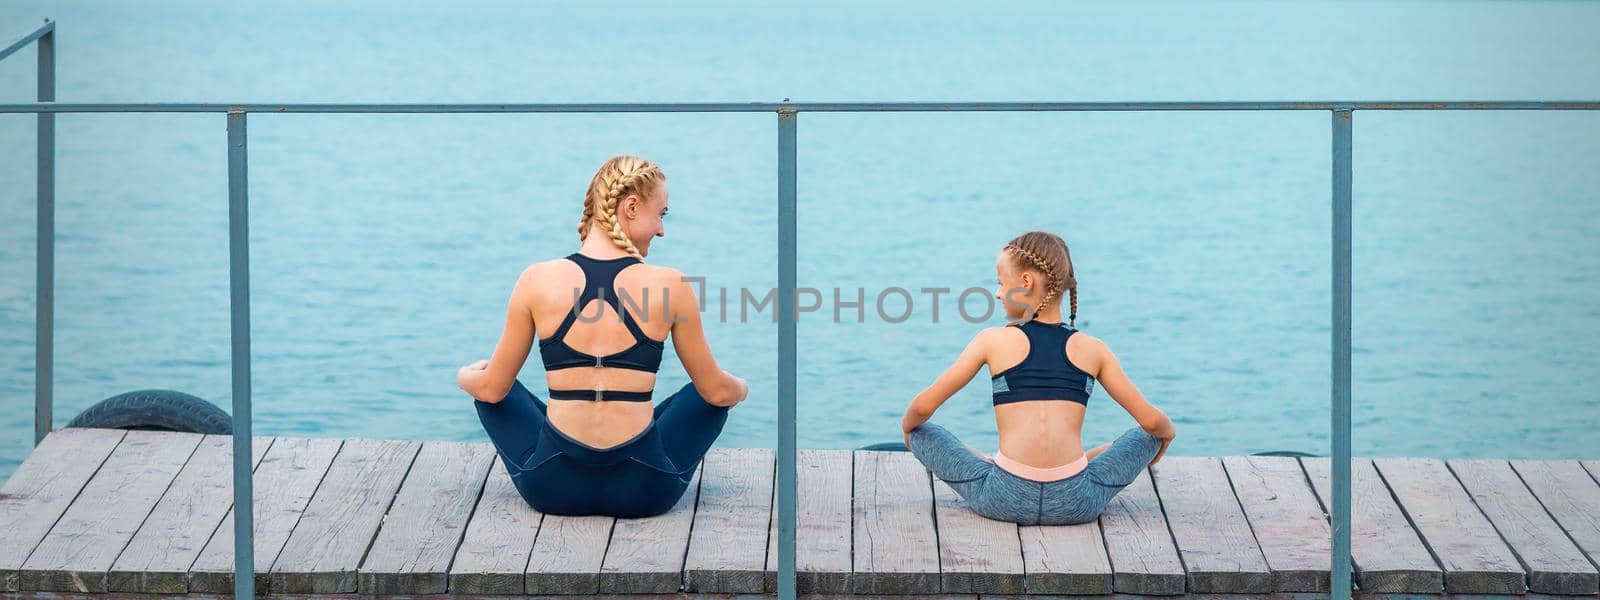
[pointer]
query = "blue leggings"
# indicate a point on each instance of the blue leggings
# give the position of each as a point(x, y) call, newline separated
point(997, 494)
point(641, 477)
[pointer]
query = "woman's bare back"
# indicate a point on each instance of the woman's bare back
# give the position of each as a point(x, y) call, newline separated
point(644, 291)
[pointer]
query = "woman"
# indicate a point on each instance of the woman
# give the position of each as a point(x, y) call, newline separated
point(598, 448)
point(1042, 373)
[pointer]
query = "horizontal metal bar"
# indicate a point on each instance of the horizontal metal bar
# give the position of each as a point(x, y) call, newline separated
point(753, 107)
point(22, 42)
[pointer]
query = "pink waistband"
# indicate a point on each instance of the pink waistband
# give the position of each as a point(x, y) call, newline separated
point(1041, 474)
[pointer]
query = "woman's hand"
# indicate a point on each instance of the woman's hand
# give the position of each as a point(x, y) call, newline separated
point(912, 420)
point(465, 375)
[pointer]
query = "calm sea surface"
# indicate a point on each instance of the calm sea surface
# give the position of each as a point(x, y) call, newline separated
point(383, 246)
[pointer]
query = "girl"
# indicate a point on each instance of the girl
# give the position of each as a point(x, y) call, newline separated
point(1042, 371)
point(598, 448)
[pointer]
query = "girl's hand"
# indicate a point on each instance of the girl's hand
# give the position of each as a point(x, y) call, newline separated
point(1165, 433)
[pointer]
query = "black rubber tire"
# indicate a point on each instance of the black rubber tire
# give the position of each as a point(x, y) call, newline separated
point(886, 447)
point(157, 410)
point(1291, 453)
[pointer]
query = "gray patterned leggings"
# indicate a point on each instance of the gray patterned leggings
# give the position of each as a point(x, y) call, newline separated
point(997, 494)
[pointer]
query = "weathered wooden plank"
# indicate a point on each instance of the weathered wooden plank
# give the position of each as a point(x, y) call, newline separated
point(567, 555)
point(1474, 558)
point(646, 555)
point(412, 552)
point(326, 546)
point(1571, 496)
point(976, 555)
point(1139, 544)
point(1387, 553)
point(728, 542)
point(157, 561)
point(896, 546)
point(283, 486)
point(822, 518)
point(1287, 520)
point(42, 488)
point(494, 552)
point(1070, 559)
point(80, 549)
point(1210, 530)
point(1554, 565)
point(1593, 466)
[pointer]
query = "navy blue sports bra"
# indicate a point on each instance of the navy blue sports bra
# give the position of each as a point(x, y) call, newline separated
point(599, 281)
point(1045, 373)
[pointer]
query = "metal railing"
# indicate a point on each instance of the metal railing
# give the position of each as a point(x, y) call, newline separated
point(45, 267)
point(787, 113)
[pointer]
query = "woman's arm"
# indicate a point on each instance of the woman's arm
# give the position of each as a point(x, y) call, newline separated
point(951, 381)
point(718, 387)
point(491, 380)
point(1115, 381)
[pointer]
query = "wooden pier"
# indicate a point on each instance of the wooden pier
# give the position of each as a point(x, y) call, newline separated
point(97, 511)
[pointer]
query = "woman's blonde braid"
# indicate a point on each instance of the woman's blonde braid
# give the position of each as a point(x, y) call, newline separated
point(608, 210)
point(583, 223)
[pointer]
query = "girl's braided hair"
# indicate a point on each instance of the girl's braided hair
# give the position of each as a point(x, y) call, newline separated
point(1047, 254)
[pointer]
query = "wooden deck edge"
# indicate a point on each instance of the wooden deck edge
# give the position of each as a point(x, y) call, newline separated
point(895, 583)
point(734, 581)
point(1230, 582)
point(1150, 584)
point(1301, 581)
point(488, 583)
point(385, 584)
point(694, 596)
point(662, 582)
point(318, 583)
point(958, 582)
point(148, 582)
point(809, 582)
point(1402, 582)
point(1070, 584)
point(63, 581)
point(1484, 582)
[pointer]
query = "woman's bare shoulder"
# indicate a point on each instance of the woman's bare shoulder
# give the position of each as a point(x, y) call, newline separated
point(656, 276)
point(544, 269)
point(543, 279)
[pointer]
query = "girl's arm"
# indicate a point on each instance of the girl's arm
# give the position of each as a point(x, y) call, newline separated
point(718, 387)
point(1111, 377)
point(490, 380)
point(951, 381)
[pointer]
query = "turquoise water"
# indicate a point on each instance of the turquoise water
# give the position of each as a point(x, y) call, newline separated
point(383, 246)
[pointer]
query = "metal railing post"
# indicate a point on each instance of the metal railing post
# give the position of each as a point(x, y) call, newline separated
point(786, 352)
point(244, 580)
point(1341, 355)
point(45, 267)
